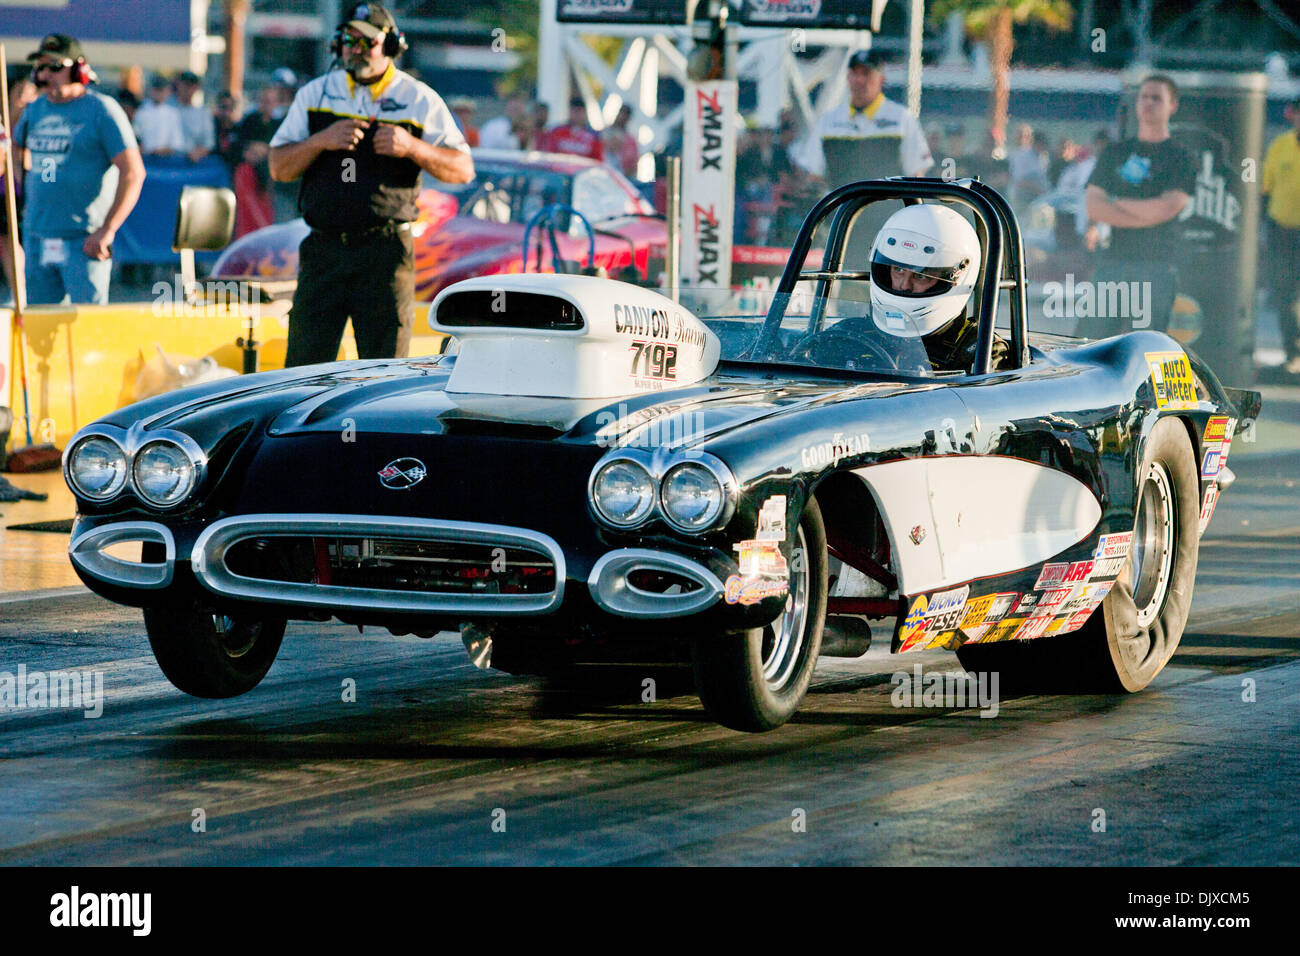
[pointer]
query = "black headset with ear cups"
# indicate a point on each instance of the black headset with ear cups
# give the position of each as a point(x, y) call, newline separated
point(81, 72)
point(394, 39)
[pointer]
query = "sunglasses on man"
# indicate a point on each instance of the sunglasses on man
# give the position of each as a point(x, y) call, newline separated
point(360, 42)
point(44, 65)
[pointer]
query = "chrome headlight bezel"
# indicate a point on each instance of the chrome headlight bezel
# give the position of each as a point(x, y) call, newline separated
point(604, 465)
point(181, 455)
point(658, 464)
point(132, 441)
point(69, 476)
point(726, 493)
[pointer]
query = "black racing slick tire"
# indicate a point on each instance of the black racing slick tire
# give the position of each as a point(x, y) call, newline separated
point(1135, 632)
point(754, 680)
point(209, 655)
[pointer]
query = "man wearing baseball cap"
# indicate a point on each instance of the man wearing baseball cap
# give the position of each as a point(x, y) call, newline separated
point(869, 137)
point(84, 175)
point(359, 138)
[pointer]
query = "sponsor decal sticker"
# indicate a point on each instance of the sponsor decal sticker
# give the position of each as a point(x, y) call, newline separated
point(831, 452)
point(1207, 505)
point(913, 625)
point(1079, 571)
point(976, 633)
point(1027, 603)
point(1076, 621)
point(946, 609)
point(771, 519)
point(763, 570)
point(1171, 377)
point(750, 591)
point(1034, 627)
point(1106, 568)
point(1212, 462)
point(1004, 629)
point(1114, 545)
point(1086, 597)
point(1051, 576)
point(1002, 603)
point(1053, 598)
point(976, 611)
point(1216, 429)
point(917, 534)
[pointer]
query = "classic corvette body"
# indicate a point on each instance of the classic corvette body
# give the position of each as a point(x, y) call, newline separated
point(597, 476)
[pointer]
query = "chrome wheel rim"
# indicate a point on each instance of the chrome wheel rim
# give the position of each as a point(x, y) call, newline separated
point(1153, 545)
point(783, 639)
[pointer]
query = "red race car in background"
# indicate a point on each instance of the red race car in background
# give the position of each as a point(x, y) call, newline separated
point(478, 228)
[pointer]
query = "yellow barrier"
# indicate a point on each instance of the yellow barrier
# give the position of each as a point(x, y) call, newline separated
point(85, 361)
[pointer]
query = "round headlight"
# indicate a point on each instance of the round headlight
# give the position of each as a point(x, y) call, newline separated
point(163, 473)
point(97, 468)
point(623, 493)
point(692, 497)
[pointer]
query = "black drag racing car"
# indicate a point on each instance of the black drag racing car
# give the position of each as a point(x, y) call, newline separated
point(600, 477)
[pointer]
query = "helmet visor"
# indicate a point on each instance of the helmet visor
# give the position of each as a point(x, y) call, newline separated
point(909, 279)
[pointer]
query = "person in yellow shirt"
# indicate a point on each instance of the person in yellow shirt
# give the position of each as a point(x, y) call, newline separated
point(1281, 255)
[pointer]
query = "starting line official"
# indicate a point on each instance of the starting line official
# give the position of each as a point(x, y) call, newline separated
point(359, 138)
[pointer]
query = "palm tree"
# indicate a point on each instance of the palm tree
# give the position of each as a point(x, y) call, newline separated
point(992, 21)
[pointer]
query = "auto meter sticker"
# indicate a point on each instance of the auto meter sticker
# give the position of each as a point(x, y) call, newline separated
point(1207, 505)
point(1051, 576)
point(762, 569)
point(1114, 545)
point(1034, 627)
point(1171, 376)
point(976, 611)
point(913, 625)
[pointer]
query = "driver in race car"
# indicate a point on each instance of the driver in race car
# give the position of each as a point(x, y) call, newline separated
point(924, 264)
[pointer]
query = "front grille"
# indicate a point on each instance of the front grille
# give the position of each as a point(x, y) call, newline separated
point(388, 564)
point(426, 565)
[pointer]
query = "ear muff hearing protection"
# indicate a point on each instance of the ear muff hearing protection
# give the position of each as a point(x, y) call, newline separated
point(394, 43)
point(81, 72)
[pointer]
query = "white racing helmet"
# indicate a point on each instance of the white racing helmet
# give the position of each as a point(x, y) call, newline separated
point(942, 254)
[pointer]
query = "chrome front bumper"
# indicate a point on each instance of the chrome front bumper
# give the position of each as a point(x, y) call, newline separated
point(609, 582)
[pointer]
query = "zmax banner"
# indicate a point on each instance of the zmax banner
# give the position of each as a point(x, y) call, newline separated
point(708, 182)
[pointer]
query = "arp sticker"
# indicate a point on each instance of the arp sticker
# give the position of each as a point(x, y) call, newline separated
point(1216, 429)
point(1207, 505)
point(1172, 379)
point(1114, 545)
point(913, 625)
point(1079, 571)
point(1051, 576)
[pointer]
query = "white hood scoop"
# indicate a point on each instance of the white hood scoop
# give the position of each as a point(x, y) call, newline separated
point(569, 336)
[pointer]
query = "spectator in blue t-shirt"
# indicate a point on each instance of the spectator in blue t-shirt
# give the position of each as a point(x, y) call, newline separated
point(84, 175)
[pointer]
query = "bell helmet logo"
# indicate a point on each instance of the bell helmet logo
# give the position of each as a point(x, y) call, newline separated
point(402, 474)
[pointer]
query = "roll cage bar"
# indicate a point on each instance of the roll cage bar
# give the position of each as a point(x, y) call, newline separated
point(1002, 267)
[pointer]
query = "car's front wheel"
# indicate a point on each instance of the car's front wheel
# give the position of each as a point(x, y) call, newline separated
point(754, 680)
point(206, 654)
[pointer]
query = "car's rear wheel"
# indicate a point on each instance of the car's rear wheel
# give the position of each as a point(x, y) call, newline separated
point(207, 654)
point(1135, 632)
point(754, 680)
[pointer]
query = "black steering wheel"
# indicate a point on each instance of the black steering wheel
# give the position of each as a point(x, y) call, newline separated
point(836, 347)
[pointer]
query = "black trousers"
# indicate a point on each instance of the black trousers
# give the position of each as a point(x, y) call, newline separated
point(1281, 262)
point(370, 278)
